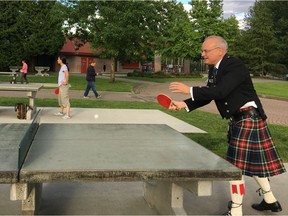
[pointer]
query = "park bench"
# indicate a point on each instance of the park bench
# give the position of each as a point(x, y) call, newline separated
point(161, 157)
point(14, 70)
point(13, 74)
point(30, 89)
point(41, 69)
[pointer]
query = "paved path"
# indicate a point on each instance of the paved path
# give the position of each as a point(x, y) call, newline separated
point(276, 110)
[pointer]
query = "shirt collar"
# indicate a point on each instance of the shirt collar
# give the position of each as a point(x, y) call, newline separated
point(218, 63)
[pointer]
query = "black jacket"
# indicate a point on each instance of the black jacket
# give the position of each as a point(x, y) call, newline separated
point(231, 90)
point(90, 75)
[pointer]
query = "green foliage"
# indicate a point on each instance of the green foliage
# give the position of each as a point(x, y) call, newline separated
point(207, 19)
point(135, 30)
point(150, 75)
point(29, 29)
point(280, 137)
point(265, 39)
point(280, 20)
point(79, 82)
point(124, 30)
point(164, 75)
point(186, 32)
point(180, 40)
point(271, 89)
point(10, 50)
point(263, 45)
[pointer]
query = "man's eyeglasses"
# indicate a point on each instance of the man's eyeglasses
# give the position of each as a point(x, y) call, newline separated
point(207, 51)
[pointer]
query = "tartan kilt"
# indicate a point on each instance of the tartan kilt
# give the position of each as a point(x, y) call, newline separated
point(251, 148)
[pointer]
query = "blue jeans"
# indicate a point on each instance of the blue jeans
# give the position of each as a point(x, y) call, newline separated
point(91, 85)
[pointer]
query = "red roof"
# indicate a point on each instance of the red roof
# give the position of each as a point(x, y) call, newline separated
point(70, 48)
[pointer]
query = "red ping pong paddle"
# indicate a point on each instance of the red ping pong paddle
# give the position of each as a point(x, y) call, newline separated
point(56, 91)
point(164, 100)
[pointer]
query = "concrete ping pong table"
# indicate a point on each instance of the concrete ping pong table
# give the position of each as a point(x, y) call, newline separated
point(31, 90)
point(161, 157)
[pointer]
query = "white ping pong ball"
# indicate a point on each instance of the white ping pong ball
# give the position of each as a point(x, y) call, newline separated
point(96, 116)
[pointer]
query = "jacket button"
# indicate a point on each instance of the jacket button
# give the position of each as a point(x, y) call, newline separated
point(227, 111)
point(226, 103)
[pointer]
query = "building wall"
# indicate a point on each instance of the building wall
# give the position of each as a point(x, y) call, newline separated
point(79, 59)
point(79, 64)
point(76, 64)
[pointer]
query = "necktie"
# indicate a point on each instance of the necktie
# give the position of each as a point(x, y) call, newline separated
point(215, 70)
point(214, 74)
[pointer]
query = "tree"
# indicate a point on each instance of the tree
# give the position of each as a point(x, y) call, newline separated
point(207, 19)
point(121, 30)
point(180, 40)
point(185, 33)
point(279, 15)
point(41, 23)
point(10, 49)
point(263, 43)
point(30, 29)
point(230, 31)
point(260, 38)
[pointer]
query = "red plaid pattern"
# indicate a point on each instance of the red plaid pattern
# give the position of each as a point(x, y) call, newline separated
point(251, 149)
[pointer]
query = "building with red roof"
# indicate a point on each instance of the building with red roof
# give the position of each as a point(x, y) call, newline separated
point(79, 58)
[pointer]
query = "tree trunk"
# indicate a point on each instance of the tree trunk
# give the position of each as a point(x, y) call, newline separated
point(31, 64)
point(113, 67)
point(186, 66)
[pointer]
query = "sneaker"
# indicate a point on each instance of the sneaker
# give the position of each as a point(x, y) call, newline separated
point(99, 96)
point(85, 97)
point(59, 114)
point(66, 117)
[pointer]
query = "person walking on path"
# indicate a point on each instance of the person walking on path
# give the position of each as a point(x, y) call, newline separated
point(24, 71)
point(250, 146)
point(63, 84)
point(90, 77)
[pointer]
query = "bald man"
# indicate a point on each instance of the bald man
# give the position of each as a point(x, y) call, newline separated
point(250, 146)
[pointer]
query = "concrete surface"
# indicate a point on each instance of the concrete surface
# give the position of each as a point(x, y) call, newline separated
point(126, 198)
point(104, 116)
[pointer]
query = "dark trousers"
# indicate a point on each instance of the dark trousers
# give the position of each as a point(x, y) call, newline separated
point(91, 85)
point(24, 77)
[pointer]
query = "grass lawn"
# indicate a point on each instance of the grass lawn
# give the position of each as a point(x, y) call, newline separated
point(272, 89)
point(216, 128)
point(78, 82)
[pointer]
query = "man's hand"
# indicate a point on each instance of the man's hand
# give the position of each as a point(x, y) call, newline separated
point(177, 105)
point(179, 88)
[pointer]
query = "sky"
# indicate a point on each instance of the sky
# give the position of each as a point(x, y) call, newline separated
point(236, 7)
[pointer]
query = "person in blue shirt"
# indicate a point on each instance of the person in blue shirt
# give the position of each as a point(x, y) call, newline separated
point(90, 77)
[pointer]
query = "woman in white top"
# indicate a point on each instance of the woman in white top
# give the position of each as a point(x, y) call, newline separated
point(63, 84)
